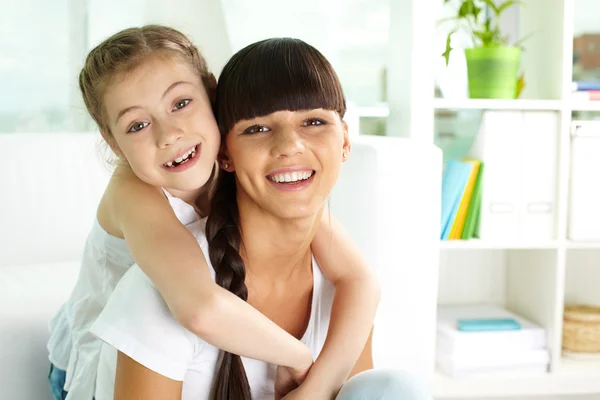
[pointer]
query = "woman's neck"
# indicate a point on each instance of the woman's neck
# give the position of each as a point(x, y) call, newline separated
point(273, 248)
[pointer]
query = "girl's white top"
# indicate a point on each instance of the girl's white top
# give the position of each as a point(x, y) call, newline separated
point(137, 322)
point(105, 260)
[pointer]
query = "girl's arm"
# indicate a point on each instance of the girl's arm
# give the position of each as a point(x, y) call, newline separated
point(355, 303)
point(305, 391)
point(133, 381)
point(171, 257)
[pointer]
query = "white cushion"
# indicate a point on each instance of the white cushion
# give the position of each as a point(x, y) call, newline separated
point(51, 185)
point(30, 295)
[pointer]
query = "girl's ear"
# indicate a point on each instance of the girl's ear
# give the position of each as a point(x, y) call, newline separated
point(112, 143)
point(347, 146)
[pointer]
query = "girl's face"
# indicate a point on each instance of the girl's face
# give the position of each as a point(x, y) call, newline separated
point(162, 123)
point(287, 162)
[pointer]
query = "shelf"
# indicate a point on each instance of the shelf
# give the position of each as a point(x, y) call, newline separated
point(585, 106)
point(573, 377)
point(493, 104)
point(582, 245)
point(475, 244)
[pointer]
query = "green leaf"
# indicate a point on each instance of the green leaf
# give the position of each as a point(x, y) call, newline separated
point(467, 8)
point(487, 24)
point(492, 5)
point(446, 53)
point(486, 37)
point(507, 4)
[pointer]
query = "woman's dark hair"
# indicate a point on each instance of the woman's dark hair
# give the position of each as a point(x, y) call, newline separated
point(262, 78)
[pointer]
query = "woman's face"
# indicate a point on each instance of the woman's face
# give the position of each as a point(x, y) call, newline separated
point(287, 162)
point(161, 122)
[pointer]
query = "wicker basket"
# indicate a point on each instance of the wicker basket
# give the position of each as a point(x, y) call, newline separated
point(581, 329)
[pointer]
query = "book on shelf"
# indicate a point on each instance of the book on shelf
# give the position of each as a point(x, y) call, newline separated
point(466, 353)
point(582, 86)
point(461, 183)
point(452, 341)
point(586, 95)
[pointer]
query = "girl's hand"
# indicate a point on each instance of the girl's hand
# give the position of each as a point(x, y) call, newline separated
point(287, 379)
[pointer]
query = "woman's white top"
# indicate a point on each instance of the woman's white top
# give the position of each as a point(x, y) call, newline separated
point(137, 322)
point(105, 260)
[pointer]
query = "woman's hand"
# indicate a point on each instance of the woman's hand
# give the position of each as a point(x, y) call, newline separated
point(288, 379)
point(304, 392)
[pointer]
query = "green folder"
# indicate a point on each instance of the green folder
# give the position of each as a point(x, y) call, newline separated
point(469, 230)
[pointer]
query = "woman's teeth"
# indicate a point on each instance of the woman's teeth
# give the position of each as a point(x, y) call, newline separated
point(291, 177)
point(184, 158)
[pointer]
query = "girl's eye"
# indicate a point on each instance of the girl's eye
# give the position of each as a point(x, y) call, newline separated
point(138, 126)
point(181, 104)
point(256, 129)
point(314, 122)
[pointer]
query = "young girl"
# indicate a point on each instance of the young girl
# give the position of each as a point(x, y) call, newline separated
point(150, 91)
point(280, 109)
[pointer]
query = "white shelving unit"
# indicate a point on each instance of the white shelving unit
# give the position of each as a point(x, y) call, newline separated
point(533, 279)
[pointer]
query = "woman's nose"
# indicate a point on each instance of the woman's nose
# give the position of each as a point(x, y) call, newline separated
point(288, 143)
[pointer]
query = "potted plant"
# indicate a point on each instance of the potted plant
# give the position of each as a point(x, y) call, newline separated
point(492, 64)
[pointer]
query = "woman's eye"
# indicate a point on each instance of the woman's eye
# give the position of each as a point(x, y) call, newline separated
point(138, 126)
point(181, 104)
point(313, 122)
point(256, 129)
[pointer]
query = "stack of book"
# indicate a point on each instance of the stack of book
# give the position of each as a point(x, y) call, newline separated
point(461, 199)
point(585, 91)
point(478, 340)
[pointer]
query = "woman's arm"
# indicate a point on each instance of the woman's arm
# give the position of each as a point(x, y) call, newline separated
point(355, 304)
point(171, 257)
point(133, 381)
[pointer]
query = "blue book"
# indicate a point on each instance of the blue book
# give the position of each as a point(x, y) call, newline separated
point(488, 324)
point(454, 180)
point(579, 86)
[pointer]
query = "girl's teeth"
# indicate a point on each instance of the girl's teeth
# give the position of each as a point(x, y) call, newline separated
point(179, 159)
point(170, 164)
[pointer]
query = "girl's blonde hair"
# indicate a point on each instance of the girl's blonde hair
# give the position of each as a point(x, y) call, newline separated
point(124, 51)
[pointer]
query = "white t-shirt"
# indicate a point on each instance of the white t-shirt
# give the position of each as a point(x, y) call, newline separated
point(137, 322)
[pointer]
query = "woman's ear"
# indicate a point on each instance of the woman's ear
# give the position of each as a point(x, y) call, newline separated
point(225, 161)
point(347, 146)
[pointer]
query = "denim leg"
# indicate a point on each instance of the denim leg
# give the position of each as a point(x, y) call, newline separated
point(56, 378)
point(384, 384)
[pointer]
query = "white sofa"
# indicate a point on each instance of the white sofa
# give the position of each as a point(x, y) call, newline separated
point(387, 197)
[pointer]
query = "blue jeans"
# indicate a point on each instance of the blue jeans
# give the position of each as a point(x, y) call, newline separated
point(374, 384)
point(56, 378)
point(384, 384)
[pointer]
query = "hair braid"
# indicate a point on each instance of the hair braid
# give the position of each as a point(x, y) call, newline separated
point(223, 234)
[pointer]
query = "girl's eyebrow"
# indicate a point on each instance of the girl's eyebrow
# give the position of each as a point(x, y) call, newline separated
point(173, 86)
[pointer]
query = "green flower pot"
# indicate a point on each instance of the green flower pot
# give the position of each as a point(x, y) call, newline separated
point(493, 72)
